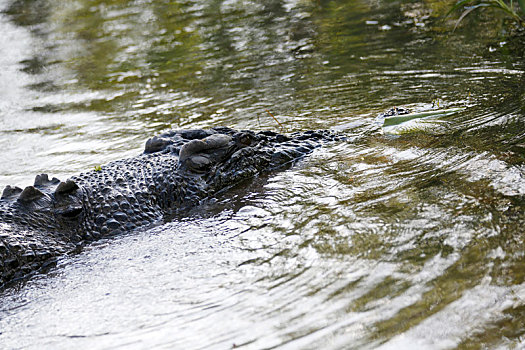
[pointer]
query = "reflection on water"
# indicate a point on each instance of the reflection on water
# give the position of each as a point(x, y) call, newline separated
point(382, 241)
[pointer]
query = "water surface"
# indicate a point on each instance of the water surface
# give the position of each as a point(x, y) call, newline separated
point(393, 242)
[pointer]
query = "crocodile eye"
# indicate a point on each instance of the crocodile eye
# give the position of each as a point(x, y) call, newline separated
point(198, 163)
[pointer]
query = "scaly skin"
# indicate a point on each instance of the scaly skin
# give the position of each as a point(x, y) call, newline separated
point(176, 171)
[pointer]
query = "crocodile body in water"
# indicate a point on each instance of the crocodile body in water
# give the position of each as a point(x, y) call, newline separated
point(177, 171)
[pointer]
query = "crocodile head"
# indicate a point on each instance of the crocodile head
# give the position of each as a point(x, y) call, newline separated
point(221, 157)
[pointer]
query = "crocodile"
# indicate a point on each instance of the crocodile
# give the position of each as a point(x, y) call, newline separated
point(177, 171)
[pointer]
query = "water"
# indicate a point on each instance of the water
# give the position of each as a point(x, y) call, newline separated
point(392, 242)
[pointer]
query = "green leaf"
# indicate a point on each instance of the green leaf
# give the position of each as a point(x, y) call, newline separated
point(431, 126)
point(458, 5)
point(398, 119)
point(467, 11)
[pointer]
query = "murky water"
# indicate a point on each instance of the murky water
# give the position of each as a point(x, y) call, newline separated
point(393, 242)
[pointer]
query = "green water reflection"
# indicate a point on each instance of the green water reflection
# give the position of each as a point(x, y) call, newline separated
point(295, 61)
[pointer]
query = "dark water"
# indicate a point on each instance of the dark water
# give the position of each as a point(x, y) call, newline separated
point(392, 242)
